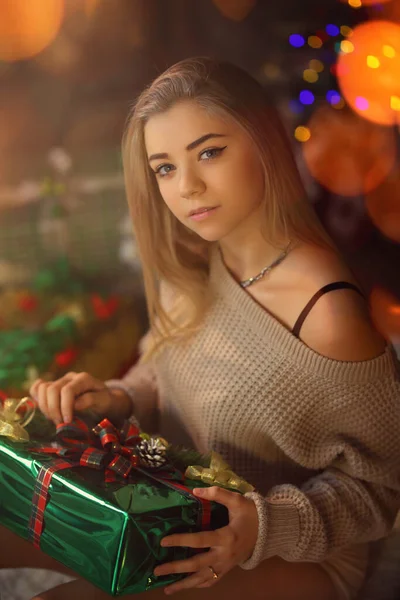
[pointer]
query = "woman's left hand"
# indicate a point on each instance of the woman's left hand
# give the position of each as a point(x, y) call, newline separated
point(228, 546)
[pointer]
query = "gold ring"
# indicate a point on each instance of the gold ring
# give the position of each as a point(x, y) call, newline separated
point(213, 572)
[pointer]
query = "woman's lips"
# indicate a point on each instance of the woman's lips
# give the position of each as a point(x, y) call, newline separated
point(203, 213)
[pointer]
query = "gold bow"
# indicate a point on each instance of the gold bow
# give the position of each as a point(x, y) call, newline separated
point(219, 473)
point(12, 423)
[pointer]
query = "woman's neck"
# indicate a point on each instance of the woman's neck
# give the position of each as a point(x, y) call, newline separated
point(246, 256)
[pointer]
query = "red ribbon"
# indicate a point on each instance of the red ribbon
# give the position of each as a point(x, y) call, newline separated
point(102, 448)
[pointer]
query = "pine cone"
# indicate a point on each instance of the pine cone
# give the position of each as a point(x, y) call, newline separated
point(152, 453)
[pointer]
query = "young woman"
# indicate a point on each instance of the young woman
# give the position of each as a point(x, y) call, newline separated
point(260, 348)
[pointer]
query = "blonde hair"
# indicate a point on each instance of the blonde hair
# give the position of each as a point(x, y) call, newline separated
point(169, 251)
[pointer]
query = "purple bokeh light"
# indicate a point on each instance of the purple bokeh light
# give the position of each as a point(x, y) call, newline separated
point(333, 97)
point(332, 30)
point(306, 97)
point(362, 103)
point(296, 40)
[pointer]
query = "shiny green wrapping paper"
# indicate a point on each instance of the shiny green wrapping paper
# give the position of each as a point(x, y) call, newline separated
point(108, 533)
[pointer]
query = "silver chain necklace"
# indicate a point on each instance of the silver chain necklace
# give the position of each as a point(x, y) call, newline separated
point(265, 270)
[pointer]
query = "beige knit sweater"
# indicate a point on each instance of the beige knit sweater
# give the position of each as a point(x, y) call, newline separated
point(319, 438)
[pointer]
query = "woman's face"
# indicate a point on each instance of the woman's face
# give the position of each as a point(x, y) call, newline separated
point(207, 170)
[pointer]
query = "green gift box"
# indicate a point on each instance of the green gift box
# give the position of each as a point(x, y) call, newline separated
point(107, 532)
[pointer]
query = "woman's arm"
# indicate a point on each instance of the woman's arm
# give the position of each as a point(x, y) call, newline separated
point(352, 435)
point(138, 392)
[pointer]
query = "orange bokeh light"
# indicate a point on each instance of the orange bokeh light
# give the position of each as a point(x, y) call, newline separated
point(383, 206)
point(369, 77)
point(369, 2)
point(237, 10)
point(385, 312)
point(28, 27)
point(346, 154)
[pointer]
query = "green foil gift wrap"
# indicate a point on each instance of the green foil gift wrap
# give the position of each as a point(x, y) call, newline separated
point(104, 526)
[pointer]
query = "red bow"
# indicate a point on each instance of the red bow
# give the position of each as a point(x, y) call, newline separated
point(102, 448)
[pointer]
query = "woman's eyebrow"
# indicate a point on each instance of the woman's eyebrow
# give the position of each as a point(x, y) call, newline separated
point(190, 146)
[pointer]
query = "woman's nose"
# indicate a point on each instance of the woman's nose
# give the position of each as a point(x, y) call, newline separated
point(190, 184)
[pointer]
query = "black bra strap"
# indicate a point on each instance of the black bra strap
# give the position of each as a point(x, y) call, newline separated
point(337, 285)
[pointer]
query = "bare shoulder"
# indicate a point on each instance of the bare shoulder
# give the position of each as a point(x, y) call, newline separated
point(339, 324)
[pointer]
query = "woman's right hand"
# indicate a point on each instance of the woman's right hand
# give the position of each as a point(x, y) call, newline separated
point(58, 400)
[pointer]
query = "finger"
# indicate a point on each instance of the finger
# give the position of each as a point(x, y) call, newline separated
point(84, 382)
point(208, 584)
point(73, 386)
point(191, 565)
point(53, 402)
point(203, 539)
point(33, 390)
point(232, 500)
point(67, 401)
point(192, 581)
point(41, 399)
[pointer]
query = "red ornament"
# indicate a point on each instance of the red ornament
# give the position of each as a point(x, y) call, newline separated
point(65, 358)
point(104, 309)
point(3, 396)
point(28, 302)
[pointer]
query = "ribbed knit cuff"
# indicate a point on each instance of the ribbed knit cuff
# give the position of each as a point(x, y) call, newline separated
point(278, 530)
point(117, 384)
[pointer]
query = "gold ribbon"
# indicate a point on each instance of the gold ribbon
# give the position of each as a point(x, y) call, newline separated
point(12, 423)
point(219, 473)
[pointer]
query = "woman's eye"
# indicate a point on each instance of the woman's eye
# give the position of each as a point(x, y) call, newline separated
point(163, 170)
point(211, 153)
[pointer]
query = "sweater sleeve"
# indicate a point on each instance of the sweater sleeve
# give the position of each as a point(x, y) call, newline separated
point(144, 414)
point(355, 496)
point(135, 384)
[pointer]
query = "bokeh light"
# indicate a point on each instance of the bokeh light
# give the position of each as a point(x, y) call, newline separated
point(333, 97)
point(383, 206)
point(339, 104)
point(295, 107)
point(310, 75)
point(346, 47)
point(236, 11)
point(388, 51)
point(302, 134)
point(346, 31)
point(395, 102)
point(370, 75)
point(347, 154)
point(316, 65)
point(373, 62)
point(361, 103)
point(385, 312)
point(314, 41)
point(306, 97)
point(27, 27)
point(357, 3)
point(296, 40)
point(332, 30)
